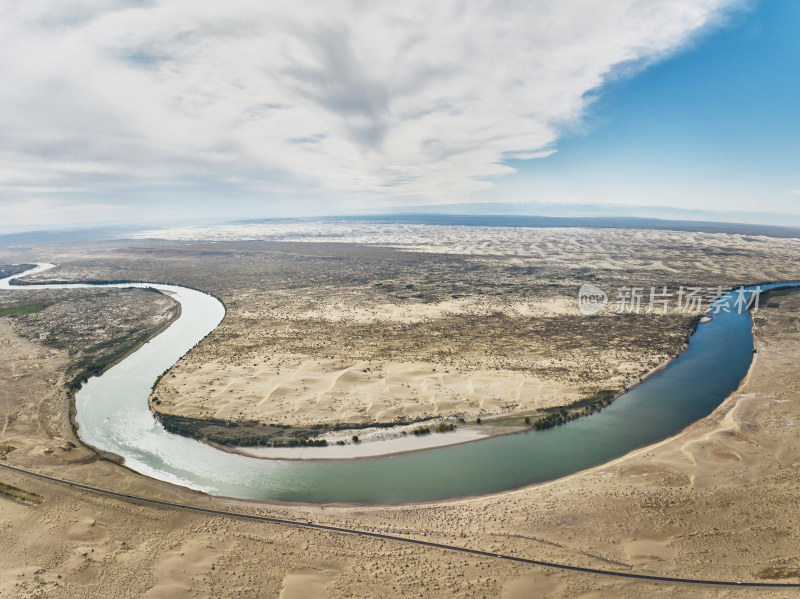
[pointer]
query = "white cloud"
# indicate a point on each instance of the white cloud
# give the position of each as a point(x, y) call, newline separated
point(417, 98)
point(49, 213)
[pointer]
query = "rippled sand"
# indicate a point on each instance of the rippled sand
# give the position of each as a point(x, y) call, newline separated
point(717, 501)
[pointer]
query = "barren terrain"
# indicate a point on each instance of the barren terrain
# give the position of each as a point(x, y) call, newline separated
point(98, 327)
point(718, 501)
point(408, 323)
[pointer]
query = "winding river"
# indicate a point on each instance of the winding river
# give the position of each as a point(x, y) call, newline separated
point(113, 415)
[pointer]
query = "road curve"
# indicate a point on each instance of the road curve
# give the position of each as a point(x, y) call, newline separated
point(363, 533)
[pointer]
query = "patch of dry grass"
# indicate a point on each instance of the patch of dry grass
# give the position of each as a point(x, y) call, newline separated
point(20, 494)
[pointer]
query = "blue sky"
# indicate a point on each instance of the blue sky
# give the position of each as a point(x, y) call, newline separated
point(122, 111)
point(715, 127)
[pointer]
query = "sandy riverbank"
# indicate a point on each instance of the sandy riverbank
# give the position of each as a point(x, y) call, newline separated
point(717, 501)
point(370, 447)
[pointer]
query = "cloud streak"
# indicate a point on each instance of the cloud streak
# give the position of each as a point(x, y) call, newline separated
point(427, 99)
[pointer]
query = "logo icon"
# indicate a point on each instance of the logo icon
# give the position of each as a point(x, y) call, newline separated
point(591, 299)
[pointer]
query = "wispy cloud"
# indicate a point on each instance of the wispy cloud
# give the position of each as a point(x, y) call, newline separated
point(426, 99)
point(48, 212)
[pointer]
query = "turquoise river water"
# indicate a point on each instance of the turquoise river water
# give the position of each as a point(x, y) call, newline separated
point(113, 415)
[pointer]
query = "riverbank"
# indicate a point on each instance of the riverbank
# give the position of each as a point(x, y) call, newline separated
point(471, 470)
point(717, 501)
point(382, 440)
point(324, 442)
point(371, 443)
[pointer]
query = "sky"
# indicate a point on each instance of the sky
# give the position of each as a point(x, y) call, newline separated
point(715, 127)
point(142, 111)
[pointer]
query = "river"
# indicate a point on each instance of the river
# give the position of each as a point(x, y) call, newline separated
point(113, 415)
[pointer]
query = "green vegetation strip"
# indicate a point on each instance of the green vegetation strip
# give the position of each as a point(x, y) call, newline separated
point(560, 415)
point(15, 493)
point(248, 434)
point(223, 432)
point(30, 309)
point(98, 366)
point(766, 298)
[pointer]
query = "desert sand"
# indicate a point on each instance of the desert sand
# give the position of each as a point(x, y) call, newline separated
point(279, 359)
point(308, 391)
point(717, 501)
point(335, 324)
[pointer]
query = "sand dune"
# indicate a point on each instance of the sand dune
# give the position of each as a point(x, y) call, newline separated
point(306, 391)
point(717, 501)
